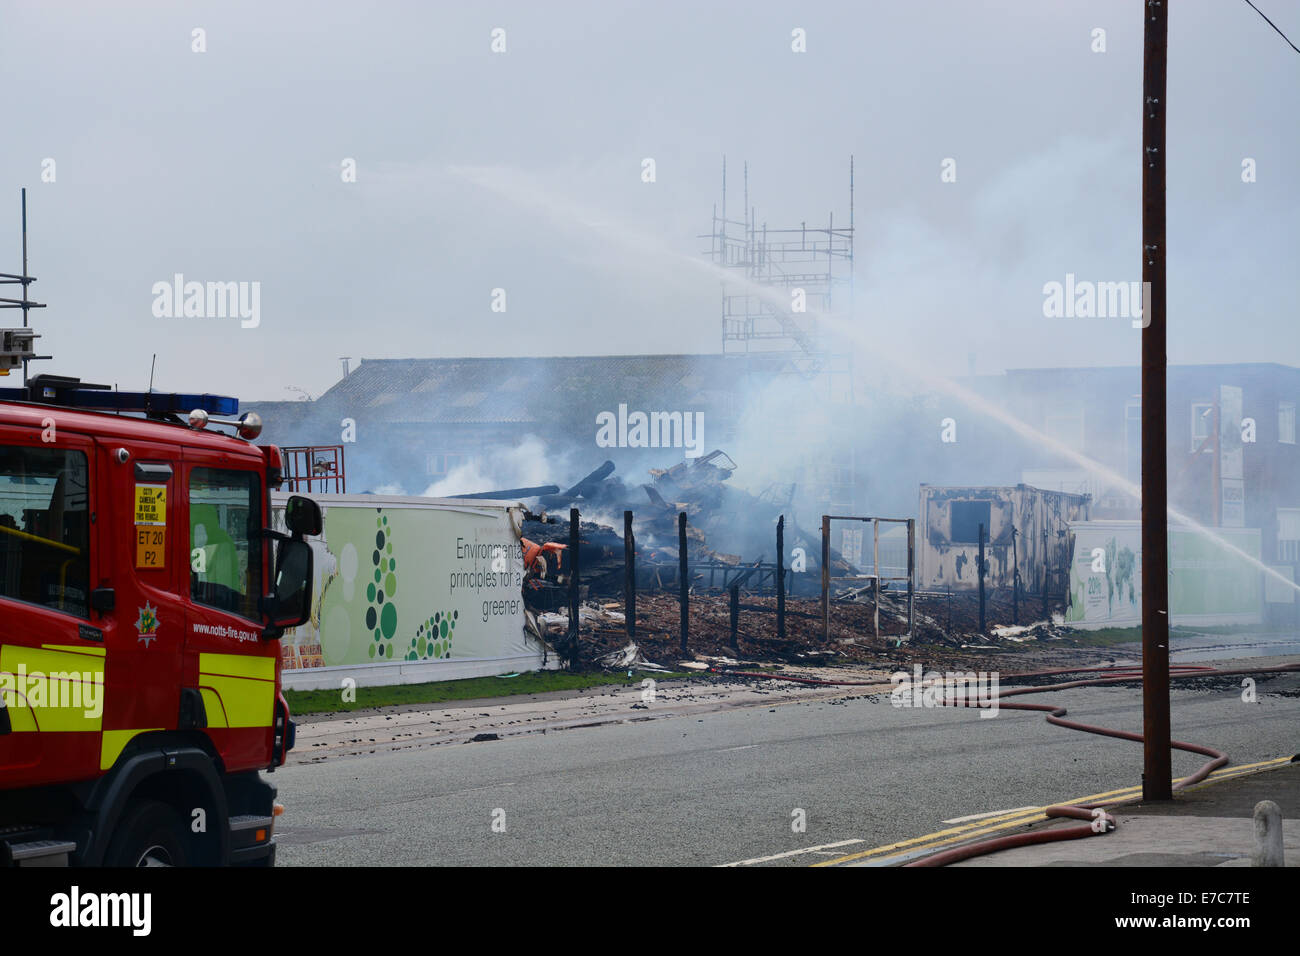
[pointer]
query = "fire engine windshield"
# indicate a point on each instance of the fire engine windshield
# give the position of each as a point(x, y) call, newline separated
point(225, 540)
point(45, 528)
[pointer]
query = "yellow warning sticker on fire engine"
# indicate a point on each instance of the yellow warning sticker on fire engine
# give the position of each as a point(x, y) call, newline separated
point(150, 548)
point(151, 504)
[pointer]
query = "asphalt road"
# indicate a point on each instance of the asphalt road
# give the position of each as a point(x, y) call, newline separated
point(725, 786)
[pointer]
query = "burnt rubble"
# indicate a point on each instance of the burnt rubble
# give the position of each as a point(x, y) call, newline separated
point(730, 533)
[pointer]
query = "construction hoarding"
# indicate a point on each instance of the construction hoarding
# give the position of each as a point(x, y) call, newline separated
point(1209, 583)
point(411, 589)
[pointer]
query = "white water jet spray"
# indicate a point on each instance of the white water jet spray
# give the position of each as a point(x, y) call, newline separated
point(981, 405)
point(510, 185)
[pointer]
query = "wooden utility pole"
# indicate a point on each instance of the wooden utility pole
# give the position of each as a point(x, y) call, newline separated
point(1157, 774)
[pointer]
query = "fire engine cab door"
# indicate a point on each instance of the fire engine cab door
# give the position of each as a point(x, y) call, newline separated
point(140, 554)
point(226, 660)
point(52, 646)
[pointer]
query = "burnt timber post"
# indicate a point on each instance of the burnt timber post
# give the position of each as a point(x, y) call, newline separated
point(1045, 572)
point(629, 576)
point(1015, 579)
point(735, 617)
point(826, 577)
point(979, 573)
point(780, 576)
point(911, 576)
point(573, 586)
point(683, 583)
point(875, 569)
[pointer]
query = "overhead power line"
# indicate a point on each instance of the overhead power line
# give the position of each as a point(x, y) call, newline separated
point(1273, 25)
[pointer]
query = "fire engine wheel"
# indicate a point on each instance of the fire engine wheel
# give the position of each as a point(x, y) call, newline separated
point(149, 835)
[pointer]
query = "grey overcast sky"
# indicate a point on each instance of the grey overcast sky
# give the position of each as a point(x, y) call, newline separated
point(522, 170)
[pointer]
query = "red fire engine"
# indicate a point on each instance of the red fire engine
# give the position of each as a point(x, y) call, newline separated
point(140, 606)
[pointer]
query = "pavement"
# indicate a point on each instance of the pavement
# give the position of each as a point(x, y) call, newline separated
point(411, 727)
point(1209, 824)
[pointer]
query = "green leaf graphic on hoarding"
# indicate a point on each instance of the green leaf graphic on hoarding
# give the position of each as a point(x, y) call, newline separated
point(381, 615)
point(432, 640)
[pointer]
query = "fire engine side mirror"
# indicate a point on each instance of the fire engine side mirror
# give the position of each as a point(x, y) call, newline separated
point(289, 604)
point(302, 516)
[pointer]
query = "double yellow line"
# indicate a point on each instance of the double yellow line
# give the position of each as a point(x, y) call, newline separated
point(1016, 818)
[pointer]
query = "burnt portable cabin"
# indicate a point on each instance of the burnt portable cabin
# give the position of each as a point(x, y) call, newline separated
point(948, 539)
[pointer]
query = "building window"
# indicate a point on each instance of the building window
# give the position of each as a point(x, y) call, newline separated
point(1202, 419)
point(442, 465)
point(1286, 422)
point(967, 516)
point(1288, 535)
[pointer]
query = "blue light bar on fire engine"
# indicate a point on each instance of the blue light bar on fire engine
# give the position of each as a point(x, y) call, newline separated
point(177, 402)
point(103, 400)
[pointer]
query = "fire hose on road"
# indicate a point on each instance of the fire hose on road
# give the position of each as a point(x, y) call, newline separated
point(1099, 821)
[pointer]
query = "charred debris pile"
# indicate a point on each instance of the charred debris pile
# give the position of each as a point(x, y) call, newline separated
point(730, 533)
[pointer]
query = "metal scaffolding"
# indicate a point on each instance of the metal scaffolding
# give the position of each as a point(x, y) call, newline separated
point(782, 278)
point(775, 282)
